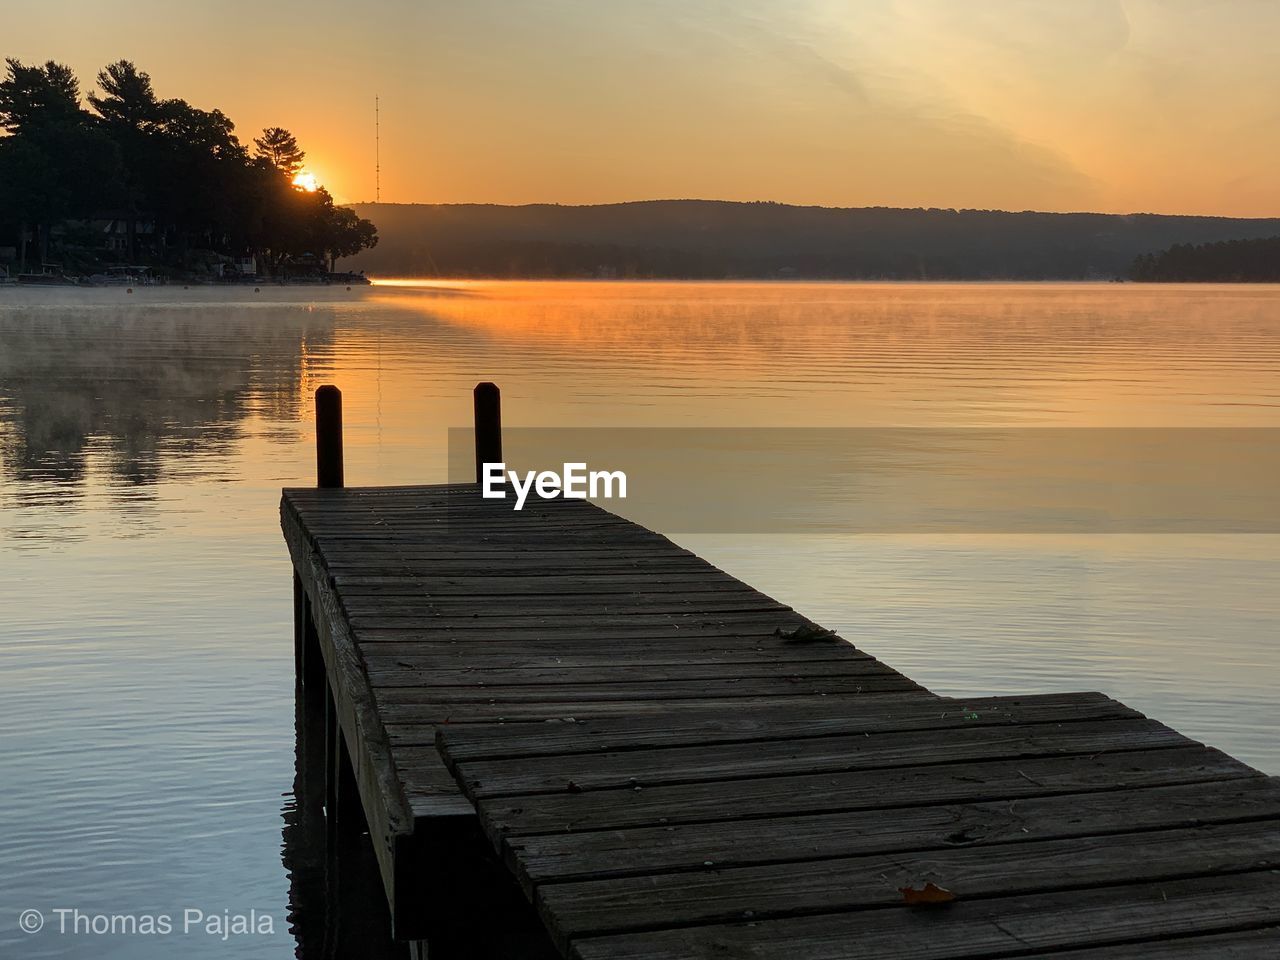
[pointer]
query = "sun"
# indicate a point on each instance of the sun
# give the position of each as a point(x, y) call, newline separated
point(306, 180)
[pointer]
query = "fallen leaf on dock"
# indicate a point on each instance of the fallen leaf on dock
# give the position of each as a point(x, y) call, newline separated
point(929, 893)
point(806, 634)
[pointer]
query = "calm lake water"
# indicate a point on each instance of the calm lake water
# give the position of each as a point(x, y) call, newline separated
point(146, 672)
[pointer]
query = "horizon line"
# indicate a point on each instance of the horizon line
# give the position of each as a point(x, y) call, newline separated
point(798, 206)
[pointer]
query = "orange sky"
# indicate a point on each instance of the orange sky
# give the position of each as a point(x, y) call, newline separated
point(1113, 105)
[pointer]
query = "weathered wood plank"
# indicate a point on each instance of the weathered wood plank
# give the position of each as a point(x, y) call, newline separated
point(411, 505)
point(540, 652)
point(885, 788)
point(535, 510)
point(423, 672)
point(816, 718)
point(452, 530)
point(562, 549)
point(422, 557)
point(413, 704)
point(357, 551)
point(739, 761)
point(416, 503)
point(419, 499)
point(752, 631)
point(714, 895)
point(492, 606)
point(422, 731)
point(534, 565)
point(548, 583)
point(372, 571)
point(1012, 926)
point(404, 517)
point(649, 850)
point(596, 622)
point(1261, 944)
point(492, 537)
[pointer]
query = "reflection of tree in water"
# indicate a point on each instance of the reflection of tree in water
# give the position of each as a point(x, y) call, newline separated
point(141, 390)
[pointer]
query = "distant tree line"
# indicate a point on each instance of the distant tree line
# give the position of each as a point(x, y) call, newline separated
point(175, 177)
point(1228, 261)
point(708, 239)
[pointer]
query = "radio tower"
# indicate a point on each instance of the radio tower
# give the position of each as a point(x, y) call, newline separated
point(377, 151)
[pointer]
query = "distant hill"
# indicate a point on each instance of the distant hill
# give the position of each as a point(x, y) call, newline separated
point(1230, 261)
point(717, 239)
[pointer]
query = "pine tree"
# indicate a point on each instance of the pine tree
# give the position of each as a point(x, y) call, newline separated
point(280, 148)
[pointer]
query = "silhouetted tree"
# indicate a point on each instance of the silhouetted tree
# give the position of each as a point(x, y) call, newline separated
point(280, 148)
point(131, 112)
point(344, 234)
point(56, 163)
point(37, 96)
point(129, 101)
point(177, 165)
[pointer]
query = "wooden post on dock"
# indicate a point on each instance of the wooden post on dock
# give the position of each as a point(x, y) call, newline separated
point(299, 625)
point(488, 426)
point(329, 437)
point(328, 474)
point(343, 814)
point(312, 683)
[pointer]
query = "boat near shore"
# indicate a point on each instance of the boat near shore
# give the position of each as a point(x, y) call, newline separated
point(46, 280)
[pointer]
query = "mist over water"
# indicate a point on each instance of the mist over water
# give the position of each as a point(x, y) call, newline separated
point(146, 673)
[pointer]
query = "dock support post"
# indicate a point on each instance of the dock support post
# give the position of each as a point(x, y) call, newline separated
point(322, 737)
point(333, 773)
point(488, 426)
point(311, 678)
point(329, 474)
point(329, 437)
point(299, 626)
point(348, 856)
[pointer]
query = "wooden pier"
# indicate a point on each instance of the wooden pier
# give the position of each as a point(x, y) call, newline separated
point(661, 762)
